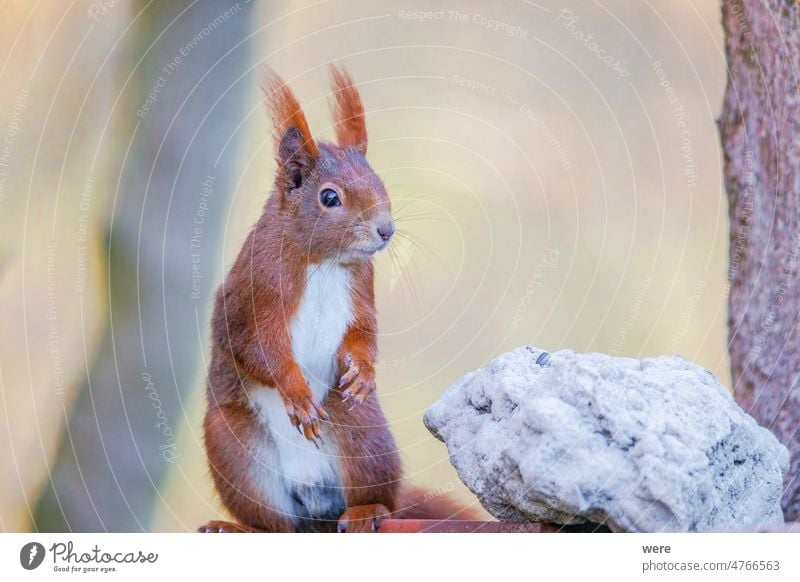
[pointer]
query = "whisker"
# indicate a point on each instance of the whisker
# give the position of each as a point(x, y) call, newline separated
point(422, 217)
point(405, 282)
point(423, 246)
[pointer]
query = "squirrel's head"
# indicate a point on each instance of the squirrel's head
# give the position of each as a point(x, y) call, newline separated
point(336, 203)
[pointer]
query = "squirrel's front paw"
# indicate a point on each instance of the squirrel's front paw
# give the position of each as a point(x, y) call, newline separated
point(305, 415)
point(360, 382)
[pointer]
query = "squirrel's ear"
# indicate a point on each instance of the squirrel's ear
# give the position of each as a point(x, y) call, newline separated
point(348, 112)
point(296, 151)
point(294, 158)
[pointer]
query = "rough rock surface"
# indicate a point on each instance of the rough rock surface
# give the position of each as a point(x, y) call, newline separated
point(641, 445)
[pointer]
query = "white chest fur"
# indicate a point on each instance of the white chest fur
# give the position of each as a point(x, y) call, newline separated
point(288, 466)
point(320, 323)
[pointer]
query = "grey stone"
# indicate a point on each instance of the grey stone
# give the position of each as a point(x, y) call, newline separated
point(656, 444)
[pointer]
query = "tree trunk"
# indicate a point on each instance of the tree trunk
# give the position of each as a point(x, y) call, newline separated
point(183, 106)
point(759, 127)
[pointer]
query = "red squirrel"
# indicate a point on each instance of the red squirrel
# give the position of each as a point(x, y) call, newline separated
point(296, 441)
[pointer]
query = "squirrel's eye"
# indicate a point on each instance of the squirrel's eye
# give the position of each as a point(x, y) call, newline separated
point(329, 198)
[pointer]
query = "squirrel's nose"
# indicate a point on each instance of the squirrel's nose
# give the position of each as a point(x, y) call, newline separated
point(385, 230)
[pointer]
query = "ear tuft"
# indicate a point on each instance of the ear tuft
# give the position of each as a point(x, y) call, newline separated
point(285, 111)
point(348, 112)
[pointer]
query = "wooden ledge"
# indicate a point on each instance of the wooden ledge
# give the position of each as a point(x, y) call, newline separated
point(466, 526)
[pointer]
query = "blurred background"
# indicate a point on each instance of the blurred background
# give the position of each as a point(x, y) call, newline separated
point(556, 167)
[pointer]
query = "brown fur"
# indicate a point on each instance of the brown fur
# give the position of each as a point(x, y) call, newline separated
point(348, 112)
point(416, 503)
point(284, 109)
point(251, 327)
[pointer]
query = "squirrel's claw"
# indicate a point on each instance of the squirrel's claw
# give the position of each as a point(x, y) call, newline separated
point(313, 433)
point(358, 392)
point(224, 527)
point(305, 416)
point(308, 432)
point(359, 386)
point(352, 371)
point(322, 413)
point(317, 434)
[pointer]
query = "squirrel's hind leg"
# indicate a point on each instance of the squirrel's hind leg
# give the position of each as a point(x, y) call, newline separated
point(362, 518)
point(238, 452)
